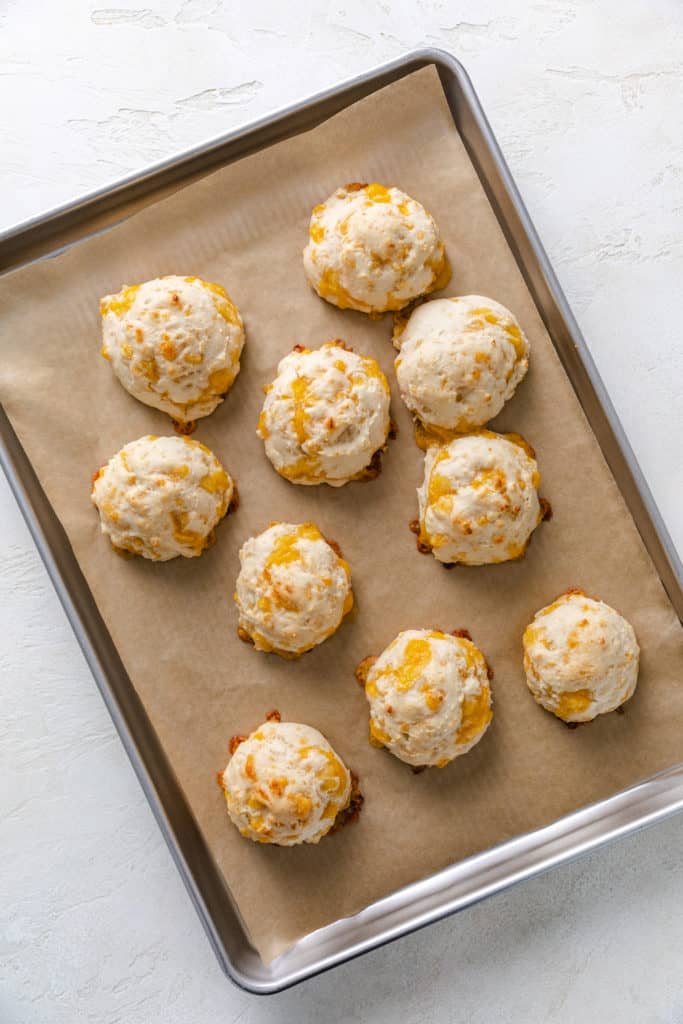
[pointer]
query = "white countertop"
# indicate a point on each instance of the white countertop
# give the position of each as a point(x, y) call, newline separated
point(586, 100)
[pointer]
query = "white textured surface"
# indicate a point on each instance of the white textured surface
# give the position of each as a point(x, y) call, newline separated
point(585, 98)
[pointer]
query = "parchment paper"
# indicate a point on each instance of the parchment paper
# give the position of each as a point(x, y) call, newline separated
point(174, 623)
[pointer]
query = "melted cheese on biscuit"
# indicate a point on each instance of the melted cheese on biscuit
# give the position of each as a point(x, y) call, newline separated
point(373, 249)
point(161, 497)
point(429, 697)
point(580, 658)
point(174, 343)
point(285, 785)
point(460, 360)
point(479, 502)
point(325, 415)
point(293, 589)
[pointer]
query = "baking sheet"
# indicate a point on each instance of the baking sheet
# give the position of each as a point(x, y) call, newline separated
point(174, 623)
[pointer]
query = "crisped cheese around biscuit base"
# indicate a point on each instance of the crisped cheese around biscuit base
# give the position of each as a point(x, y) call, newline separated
point(293, 589)
point(460, 360)
point(161, 497)
point(285, 785)
point(174, 343)
point(326, 415)
point(373, 249)
point(429, 697)
point(580, 658)
point(478, 502)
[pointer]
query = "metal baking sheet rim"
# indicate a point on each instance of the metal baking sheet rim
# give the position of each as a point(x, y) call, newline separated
point(483, 874)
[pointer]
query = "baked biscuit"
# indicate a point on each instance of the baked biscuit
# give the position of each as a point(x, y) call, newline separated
point(174, 343)
point(373, 249)
point(161, 497)
point(429, 696)
point(460, 360)
point(284, 784)
point(326, 416)
point(479, 501)
point(580, 657)
point(293, 589)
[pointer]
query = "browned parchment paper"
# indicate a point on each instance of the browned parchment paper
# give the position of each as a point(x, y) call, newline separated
point(174, 624)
